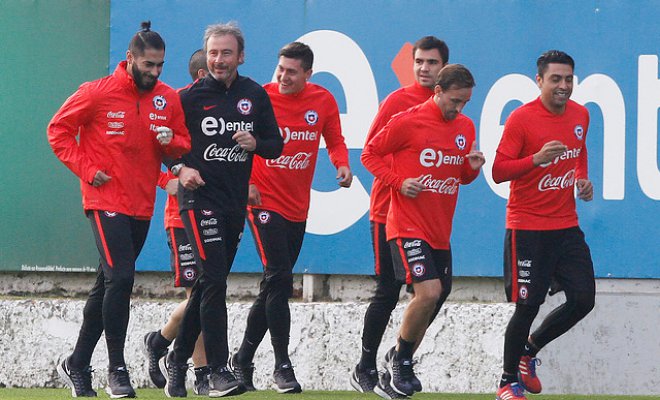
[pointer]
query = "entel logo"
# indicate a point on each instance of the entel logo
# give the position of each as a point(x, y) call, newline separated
point(287, 134)
point(434, 158)
point(567, 155)
point(212, 126)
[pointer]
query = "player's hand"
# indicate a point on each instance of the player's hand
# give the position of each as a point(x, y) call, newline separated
point(549, 152)
point(100, 178)
point(344, 176)
point(475, 157)
point(254, 196)
point(585, 189)
point(245, 140)
point(190, 178)
point(411, 187)
point(172, 186)
point(164, 135)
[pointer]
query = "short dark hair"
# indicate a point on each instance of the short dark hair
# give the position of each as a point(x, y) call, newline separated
point(553, 57)
point(430, 43)
point(455, 76)
point(230, 28)
point(197, 61)
point(298, 51)
point(144, 39)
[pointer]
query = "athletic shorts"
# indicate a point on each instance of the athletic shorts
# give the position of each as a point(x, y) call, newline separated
point(535, 260)
point(415, 261)
point(182, 258)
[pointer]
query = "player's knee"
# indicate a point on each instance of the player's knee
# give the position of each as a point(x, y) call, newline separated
point(584, 303)
point(120, 283)
point(525, 313)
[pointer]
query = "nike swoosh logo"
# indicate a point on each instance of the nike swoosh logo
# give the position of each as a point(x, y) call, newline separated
point(206, 108)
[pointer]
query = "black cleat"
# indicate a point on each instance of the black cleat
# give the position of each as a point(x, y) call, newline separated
point(153, 355)
point(80, 381)
point(417, 385)
point(384, 390)
point(119, 384)
point(401, 373)
point(175, 376)
point(243, 374)
point(223, 383)
point(285, 379)
point(201, 385)
point(364, 381)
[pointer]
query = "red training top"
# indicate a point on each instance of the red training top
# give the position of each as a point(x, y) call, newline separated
point(542, 197)
point(116, 128)
point(397, 101)
point(285, 182)
point(172, 216)
point(425, 146)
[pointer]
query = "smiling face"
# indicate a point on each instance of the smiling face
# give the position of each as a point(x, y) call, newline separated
point(291, 77)
point(223, 58)
point(556, 86)
point(146, 68)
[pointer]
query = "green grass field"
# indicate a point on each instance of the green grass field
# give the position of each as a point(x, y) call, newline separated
point(57, 394)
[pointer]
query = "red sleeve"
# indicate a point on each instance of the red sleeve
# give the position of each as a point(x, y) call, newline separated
point(582, 168)
point(381, 119)
point(506, 168)
point(180, 143)
point(63, 128)
point(334, 140)
point(383, 143)
point(163, 178)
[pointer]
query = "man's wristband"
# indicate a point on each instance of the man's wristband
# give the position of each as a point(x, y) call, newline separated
point(177, 168)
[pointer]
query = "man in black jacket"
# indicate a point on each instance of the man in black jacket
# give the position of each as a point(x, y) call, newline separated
point(230, 118)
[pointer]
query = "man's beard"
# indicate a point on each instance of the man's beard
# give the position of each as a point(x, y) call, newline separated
point(138, 77)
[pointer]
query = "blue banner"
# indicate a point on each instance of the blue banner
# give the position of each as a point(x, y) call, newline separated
point(362, 51)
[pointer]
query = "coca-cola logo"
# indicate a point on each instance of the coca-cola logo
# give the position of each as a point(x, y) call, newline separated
point(549, 182)
point(301, 160)
point(447, 186)
point(233, 154)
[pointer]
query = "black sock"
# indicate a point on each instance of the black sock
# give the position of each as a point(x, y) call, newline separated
point(159, 341)
point(508, 378)
point(405, 350)
point(281, 352)
point(368, 359)
point(201, 372)
point(245, 353)
point(530, 350)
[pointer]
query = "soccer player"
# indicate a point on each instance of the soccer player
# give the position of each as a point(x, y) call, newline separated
point(543, 153)
point(433, 151)
point(430, 54)
point(230, 118)
point(279, 201)
point(117, 159)
point(184, 267)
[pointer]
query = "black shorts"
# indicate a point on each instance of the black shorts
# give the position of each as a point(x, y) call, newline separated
point(415, 261)
point(535, 260)
point(182, 258)
point(278, 243)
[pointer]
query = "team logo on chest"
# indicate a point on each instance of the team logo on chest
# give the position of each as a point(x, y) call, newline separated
point(460, 141)
point(244, 106)
point(159, 102)
point(312, 117)
point(579, 132)
point(264, 217)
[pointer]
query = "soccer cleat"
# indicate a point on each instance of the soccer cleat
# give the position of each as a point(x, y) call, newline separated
point(119, 384)
point(527, 374)
point(285, 379)
point(401, 374)
point(417, 385)
point(364, 381)
point(201, 384)
point(80, 381)
point(223, 383)
point(384, 390)
point(153, 355)
point(175, 376)
point(243, 374)
point(512, 391)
